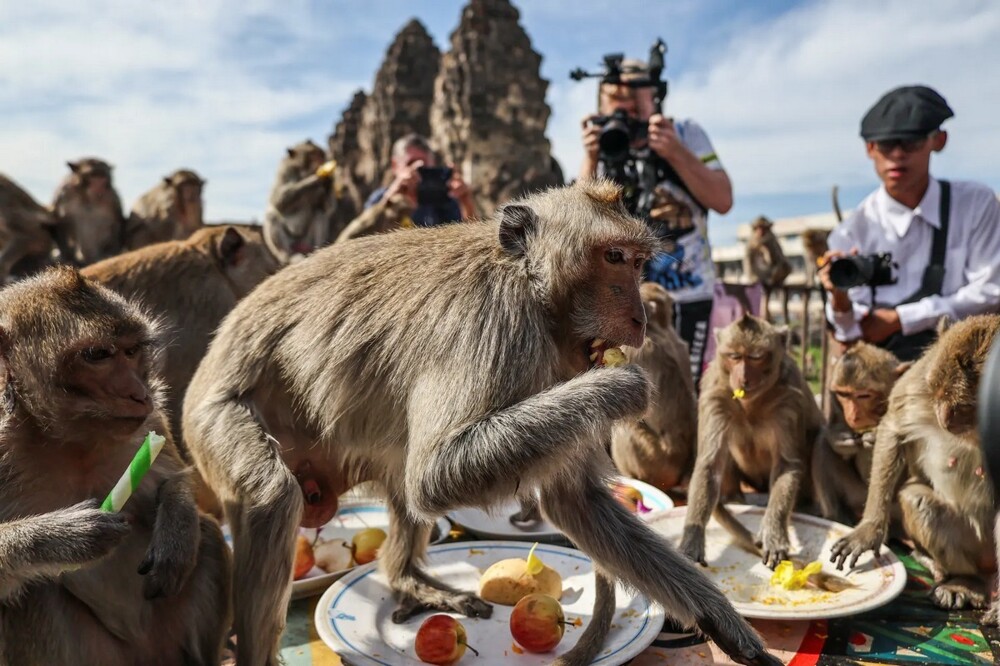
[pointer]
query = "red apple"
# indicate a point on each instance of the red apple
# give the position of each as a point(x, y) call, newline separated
point(304, 558)
point(537, 623)
point(441, 639)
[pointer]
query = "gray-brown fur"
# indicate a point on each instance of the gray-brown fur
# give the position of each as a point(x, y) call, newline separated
point(26, 229)
point(927, 457)
point(79, 585)
point(91, 225)
point(300, 208)
point(766, 437)
point(860, 380)
point(659, 447)
point(765, 261)
point(172, 210)
point(814, 246)
point(191, 285)
point(450, 366)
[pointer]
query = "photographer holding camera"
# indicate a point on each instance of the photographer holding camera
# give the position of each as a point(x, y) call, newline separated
point(671, 177)
point(917, 248)
point(437, 195)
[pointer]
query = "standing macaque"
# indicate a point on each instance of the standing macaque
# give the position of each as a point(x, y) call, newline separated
point(89, 212)
point(190, 285)
point(170, 211)
point(658, 448)
point(814, 246)
point(756, 417)
point(861, 380)
point(927, 457)
point(300, 210)
point(454, 385)
point(764, 259)
point(79, 585)
point(26, 230)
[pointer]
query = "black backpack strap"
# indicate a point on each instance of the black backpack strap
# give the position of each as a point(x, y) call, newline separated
point(934, 274)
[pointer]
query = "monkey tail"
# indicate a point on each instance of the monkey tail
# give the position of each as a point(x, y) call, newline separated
point(741, 535)
point(591, 641)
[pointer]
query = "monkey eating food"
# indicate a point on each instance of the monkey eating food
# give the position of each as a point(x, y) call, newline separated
point(323, 377)
point(80, 585)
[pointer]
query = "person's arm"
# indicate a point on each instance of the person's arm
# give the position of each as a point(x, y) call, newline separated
point(844, 309)
point(702, 174)
point(591, 147)
point(981, 292)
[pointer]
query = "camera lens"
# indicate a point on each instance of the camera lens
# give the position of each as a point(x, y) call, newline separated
point(614, 141)
point(850, 272)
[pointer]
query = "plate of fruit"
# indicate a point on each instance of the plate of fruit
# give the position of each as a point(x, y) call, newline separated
point(808, 585)
point(542, 596)
point(352, 538)
point(502, 522)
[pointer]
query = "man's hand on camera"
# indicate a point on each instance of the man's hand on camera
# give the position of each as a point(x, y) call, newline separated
point(663, 139)
point(879, 324)
point(838, 297)
point(591, 137)
point(405, 182)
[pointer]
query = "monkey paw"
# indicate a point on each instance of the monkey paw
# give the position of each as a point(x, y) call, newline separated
point(468, 604)
point(991, 617)
point(863, 538)
point(774, 546)
point(737, 639)
point(165, 573)
point(693, 544)
point(959, 592)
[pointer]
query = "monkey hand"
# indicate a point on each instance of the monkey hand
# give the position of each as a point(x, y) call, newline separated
point(991, 617)
point(77, 535)
point(774, 545)
point(693, 544)
point(166, 568)
point(866, 536)
point(623, 391)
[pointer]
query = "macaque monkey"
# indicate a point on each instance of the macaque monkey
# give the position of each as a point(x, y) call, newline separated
point(814, 246)
point(927, 457)
point(756, 417)
point(861, 380)
point(300, 210)
point(170, 211)
point(89, 212)
point(658, 448)
point(79, 585)
point(764, 259)
point(461, 384)
point(26, 230)
point(190, 285)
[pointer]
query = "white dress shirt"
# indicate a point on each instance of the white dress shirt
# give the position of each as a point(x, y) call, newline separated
point(972, 259)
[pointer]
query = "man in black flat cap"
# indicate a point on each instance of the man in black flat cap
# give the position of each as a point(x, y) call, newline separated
point(944, 238)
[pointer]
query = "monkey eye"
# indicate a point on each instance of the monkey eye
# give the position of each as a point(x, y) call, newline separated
point(757, 356)
point(862, 396)
point(733, 356)
point(614, 256)
point(133, 350)
point(97, 354)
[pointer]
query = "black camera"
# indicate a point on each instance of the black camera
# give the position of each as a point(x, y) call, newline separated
point(873, 270)
point(619, 131)
point(432, 190)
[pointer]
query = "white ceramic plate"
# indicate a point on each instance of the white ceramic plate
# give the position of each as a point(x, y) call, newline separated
point(745, 580)
point(354, 616)
point(495, 524)
point(353, 515)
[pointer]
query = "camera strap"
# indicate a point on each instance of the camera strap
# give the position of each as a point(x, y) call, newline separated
point(933, 278)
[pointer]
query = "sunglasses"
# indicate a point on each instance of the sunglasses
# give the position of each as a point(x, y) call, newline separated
point(886, 146)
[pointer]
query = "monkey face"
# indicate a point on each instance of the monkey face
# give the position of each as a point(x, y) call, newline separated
point(107, 379)
point(863, 406)
point(612, 308)
point(748, 369)
point(750, 351)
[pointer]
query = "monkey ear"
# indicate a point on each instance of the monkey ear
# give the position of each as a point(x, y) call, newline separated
point(517, 222)
point(166, 181)
point(290, 151)
point(4, 345)
point(903, 367)
point(230, 247)
point(782, 332)
point(73, 166)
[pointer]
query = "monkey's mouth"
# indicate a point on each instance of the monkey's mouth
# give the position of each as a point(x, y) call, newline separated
point(602, 352)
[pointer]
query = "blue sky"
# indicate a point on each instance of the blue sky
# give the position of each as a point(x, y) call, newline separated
point(223, 86)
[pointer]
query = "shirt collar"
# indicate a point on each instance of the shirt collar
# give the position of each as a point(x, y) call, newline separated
point(899, 217)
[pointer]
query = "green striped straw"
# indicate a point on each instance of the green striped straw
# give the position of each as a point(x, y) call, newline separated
point(137, 469)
